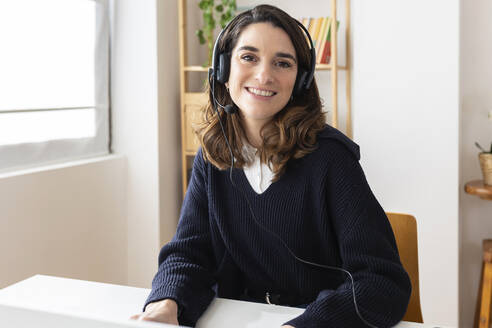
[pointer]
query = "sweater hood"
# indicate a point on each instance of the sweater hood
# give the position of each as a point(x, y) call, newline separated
point(330, 132)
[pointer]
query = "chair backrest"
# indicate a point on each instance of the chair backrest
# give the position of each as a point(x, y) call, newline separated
point(405, 230)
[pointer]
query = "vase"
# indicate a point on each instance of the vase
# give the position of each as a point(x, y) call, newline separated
point(486, 165)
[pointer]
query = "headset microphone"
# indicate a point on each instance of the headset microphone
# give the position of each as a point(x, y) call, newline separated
point(230, 108)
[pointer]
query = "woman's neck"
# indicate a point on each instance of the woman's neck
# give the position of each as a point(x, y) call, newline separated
point(254, 136)
point(252, 128)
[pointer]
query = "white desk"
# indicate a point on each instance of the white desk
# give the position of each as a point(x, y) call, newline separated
point(60, 302)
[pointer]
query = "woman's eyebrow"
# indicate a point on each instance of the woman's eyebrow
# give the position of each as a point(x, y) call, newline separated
point(248, 48)
point(286, 55)
point(278, 54)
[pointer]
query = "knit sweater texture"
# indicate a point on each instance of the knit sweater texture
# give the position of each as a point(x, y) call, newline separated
point(322, 208)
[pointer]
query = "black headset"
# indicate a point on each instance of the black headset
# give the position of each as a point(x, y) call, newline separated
point(221, 66)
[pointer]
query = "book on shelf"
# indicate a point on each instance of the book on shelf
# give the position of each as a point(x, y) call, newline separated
point(320, 31)
point(309, 25)
point(326, 54)
point(320, 45)
point(316, 35)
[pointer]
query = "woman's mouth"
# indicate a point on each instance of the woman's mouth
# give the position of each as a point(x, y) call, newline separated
point(259, 92)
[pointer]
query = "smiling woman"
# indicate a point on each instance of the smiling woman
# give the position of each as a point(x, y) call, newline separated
point(278, 209)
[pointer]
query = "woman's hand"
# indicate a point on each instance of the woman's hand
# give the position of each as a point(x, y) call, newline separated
point(165, 311)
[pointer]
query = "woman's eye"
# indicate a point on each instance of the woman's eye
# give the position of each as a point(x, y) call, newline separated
point(247, 58)
point(284, 64)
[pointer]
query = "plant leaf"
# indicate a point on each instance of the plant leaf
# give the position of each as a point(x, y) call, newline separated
point(199, 33)
point(203, 4)
point(207, 18)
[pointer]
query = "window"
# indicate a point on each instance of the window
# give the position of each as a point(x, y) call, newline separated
point(54, 81)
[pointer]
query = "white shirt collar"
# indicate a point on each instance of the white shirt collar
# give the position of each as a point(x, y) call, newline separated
point(249, 152)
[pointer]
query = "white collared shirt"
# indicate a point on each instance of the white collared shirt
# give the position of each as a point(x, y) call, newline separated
point(259, 174)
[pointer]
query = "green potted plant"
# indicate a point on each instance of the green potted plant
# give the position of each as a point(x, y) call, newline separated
point(226, 10)
point(485, 158)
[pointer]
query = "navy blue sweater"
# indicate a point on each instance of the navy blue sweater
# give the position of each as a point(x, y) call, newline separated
point(322, 208)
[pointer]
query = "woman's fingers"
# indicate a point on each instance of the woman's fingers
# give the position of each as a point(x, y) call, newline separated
point(165, 311)
point(144, 317)
point(157, 316)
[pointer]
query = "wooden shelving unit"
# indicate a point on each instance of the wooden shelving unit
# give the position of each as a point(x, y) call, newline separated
point(192, 102)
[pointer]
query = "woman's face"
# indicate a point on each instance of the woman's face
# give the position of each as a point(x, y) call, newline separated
point(263, 72)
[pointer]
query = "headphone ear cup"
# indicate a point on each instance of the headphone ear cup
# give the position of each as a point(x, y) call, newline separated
point(300, 82)
point(224, 67)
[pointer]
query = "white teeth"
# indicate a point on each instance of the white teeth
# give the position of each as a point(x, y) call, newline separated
point(261, 92)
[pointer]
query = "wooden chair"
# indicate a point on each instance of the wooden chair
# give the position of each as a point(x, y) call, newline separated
point(405, 230)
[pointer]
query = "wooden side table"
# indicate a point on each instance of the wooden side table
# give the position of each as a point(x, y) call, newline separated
point(484, 296)
point(477, 187)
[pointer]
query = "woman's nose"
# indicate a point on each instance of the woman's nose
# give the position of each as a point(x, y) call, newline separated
point(264, 74)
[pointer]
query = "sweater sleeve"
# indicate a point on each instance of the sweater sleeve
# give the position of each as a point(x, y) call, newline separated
point(368, 251)
point(186, 263)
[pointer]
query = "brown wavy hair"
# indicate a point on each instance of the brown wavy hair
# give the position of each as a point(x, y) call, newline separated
point(292, 131)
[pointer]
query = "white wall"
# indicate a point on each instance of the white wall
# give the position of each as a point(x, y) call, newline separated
point(65, 220)
point(170, 192)
point(134, 115)
point(476, 102)
point(145, 126)
point(406, 120)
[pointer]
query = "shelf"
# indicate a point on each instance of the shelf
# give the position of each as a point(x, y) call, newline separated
point(195, 69)
point(327, 67)
point(479, 188)
point(319, 67)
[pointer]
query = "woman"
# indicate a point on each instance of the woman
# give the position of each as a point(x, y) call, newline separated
point(271, 218)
